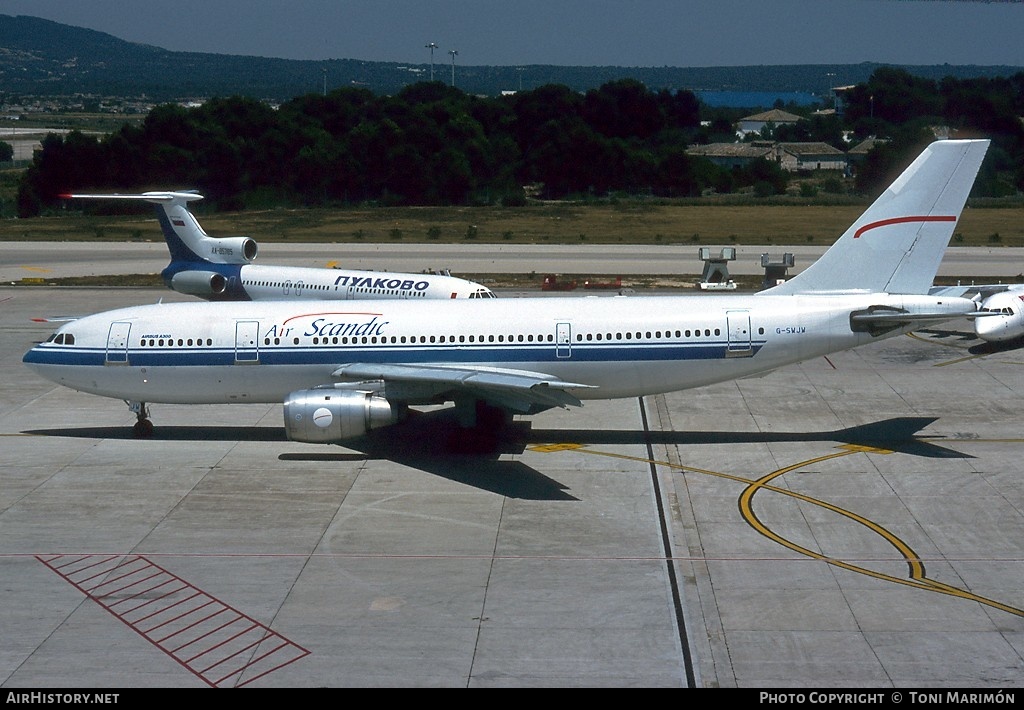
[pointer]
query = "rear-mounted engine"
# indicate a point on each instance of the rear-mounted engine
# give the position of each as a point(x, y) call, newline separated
point(199, 283)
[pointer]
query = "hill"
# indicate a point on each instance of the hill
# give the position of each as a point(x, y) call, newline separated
point(43, 58)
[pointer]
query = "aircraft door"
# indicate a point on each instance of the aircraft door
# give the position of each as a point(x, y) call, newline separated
point(117, 343)
point(246, 346)
point(738, 326)
point(298, 288)
point(563, 340)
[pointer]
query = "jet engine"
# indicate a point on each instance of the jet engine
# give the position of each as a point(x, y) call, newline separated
point(327, 415)
point(229, 250)
point(199, 283)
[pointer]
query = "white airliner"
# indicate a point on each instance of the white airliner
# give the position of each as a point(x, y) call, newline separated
point(1003, 305)
point(221, 268)
point(342, 370)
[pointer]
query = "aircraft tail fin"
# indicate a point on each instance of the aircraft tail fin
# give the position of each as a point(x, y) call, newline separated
point(897, 244)
point(186, 240)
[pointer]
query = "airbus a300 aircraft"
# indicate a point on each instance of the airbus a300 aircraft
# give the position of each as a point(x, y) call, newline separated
point(221, 268)
point(342, 370)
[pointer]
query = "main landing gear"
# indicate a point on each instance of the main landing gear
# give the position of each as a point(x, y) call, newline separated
point(479, 427)
point(143, 428)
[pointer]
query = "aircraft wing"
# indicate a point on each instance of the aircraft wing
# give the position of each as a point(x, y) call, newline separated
point(518, 390)
point(976, 292)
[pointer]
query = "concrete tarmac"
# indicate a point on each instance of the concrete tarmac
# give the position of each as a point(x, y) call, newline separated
point(855, 521)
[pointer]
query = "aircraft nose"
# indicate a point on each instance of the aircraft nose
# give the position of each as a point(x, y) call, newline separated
point(991, 328)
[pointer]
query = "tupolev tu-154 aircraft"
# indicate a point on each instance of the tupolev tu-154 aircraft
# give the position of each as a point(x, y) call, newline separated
point(341, 370)
point(221, 268)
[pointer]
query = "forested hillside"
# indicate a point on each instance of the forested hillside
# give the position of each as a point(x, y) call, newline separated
point(40, 57)
point(432, 144)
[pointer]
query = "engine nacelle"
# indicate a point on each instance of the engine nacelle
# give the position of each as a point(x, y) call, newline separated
point(328, 415)
point(229, 250)
point(199, 283)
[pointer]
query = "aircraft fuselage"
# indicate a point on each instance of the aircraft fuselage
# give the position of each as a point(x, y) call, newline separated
point(621, 346)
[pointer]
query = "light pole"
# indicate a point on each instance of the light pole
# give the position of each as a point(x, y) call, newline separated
point(431, 47)
point(453, 52)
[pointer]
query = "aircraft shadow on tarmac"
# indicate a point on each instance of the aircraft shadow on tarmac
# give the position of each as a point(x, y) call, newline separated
point(432, 442)
point(958, 337)
point(993, 348)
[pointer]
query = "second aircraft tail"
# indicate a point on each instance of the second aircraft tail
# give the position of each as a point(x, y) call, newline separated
point(186, 240)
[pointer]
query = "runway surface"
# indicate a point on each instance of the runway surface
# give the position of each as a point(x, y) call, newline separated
point(55, 260)
point(856, 521)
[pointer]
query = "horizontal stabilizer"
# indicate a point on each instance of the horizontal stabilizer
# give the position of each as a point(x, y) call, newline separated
point(896, 317)
point(155, 197)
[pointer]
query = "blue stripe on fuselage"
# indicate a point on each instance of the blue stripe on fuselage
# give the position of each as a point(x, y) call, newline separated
point(412, 355)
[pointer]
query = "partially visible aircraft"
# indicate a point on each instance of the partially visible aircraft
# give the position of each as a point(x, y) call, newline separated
point(341, 371)
point(221, 269)
point(1001, 304)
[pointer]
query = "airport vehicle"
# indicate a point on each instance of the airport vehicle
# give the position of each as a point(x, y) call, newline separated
point(221, 269)
point(341, 371)
point(551, 282)
point(1002, 304)
point(612, 285)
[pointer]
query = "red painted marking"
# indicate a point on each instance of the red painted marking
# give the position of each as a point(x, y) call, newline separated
point(183, 614)
point(902, 220)
point(333, 313)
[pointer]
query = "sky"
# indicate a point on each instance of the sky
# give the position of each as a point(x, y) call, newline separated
point(628, 33)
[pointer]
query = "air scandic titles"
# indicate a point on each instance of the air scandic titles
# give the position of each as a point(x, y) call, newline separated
point(342, 370)
point(221, 268)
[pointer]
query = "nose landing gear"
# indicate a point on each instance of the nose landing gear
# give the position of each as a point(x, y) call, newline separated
point(143, 427)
